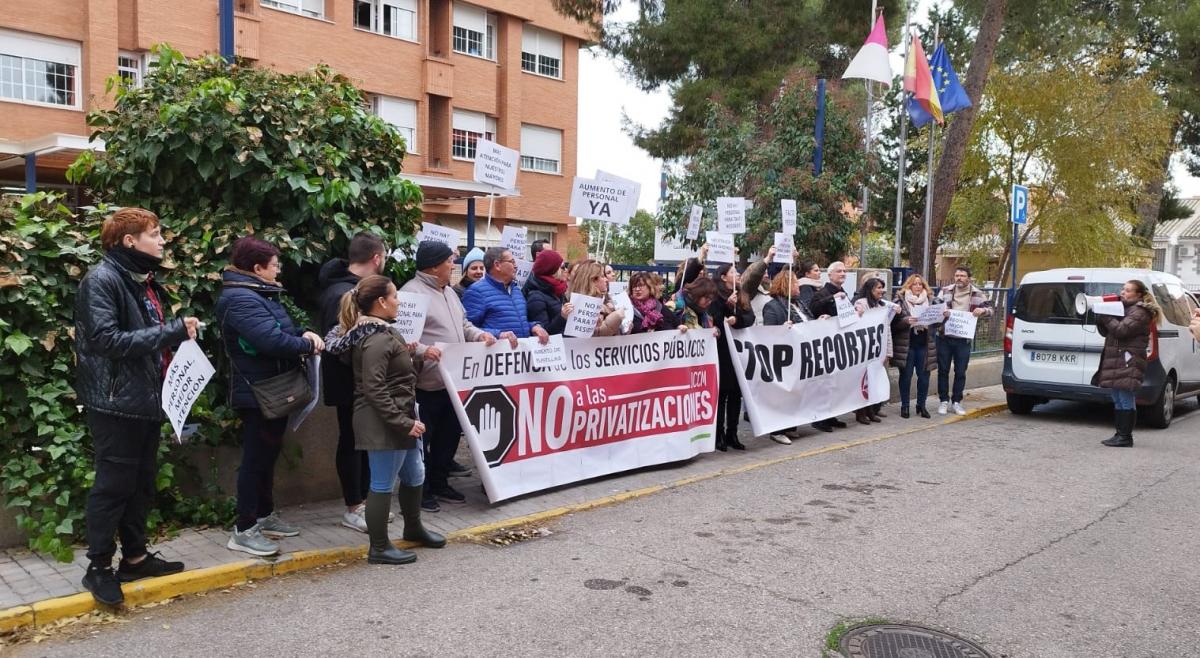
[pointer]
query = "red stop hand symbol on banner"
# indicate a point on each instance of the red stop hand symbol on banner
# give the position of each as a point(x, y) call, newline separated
point(865, 387)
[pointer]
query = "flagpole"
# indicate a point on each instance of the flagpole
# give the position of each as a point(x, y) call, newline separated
point(903, 141)
point(926, 270)
point(866, 191)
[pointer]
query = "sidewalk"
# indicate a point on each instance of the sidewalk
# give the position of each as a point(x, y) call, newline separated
point(27, 578)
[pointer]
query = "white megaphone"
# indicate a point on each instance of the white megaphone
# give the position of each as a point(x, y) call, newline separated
point(1084, 303)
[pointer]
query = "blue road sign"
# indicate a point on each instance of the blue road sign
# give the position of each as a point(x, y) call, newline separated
point(1020, 204)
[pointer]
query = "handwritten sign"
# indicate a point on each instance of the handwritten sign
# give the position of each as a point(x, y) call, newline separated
point(693, 230)
point(731, 214)
point(187, 376)
point(496, 165)
point(932, 315)
point(787, 215)
point(720, 247)
point(784, 250)
point(632, 190)
point(410, 318)
point(436, 233)
point(847, 315)
point(524, 270)
point(514, 239)
point(582, 322)
point(551, 356)
point(961, 324)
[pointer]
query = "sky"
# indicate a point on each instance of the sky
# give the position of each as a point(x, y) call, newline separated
point(605, 95)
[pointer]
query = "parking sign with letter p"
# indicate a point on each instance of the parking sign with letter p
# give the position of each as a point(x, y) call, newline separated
point(1020, 204)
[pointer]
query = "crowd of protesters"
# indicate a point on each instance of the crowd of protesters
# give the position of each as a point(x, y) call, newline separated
point(398, 433)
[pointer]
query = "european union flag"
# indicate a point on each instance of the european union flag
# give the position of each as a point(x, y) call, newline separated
point(951, 94)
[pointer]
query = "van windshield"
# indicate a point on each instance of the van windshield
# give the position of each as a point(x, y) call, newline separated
point(1054, 303)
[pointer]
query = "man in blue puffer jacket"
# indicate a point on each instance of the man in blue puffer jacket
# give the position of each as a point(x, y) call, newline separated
point(496, 304)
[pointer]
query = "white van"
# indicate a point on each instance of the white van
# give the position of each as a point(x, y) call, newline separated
point(1051, 350)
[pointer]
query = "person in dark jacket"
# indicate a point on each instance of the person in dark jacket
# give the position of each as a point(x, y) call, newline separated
point(123, 338)
point(496, 304)
point(824, 303)
point(545, 293)
point(1123, 361)
point(367, 256)
point(785, 309)
point(385, 416)
point(697, 298)
point(810, 284)
point(730, 309)
point(871, 295)
point(262, 342)
point(913, 348)
point(649, 313)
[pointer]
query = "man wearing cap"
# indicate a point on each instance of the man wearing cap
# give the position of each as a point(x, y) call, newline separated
point(496, 304)
point(445, 322)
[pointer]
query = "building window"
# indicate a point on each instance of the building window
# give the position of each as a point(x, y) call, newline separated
point(474, 31)
point(38, 69)
point(129, 68)
point(312, 8)
point(468, 129)
point(392, 18)
point(402, 114)
point(541, 149)
point(1160, 260)
point(541, 52)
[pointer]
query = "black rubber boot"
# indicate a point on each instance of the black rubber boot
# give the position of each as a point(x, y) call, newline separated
point(410, 509)
point(382, 551)
point(1124, 436)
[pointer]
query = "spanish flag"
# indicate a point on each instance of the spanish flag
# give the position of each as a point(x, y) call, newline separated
point(918, 81)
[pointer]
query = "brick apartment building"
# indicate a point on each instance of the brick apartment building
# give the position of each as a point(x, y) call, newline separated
point(444, 72)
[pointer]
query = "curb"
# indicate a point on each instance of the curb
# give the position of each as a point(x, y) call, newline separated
point(152, 590)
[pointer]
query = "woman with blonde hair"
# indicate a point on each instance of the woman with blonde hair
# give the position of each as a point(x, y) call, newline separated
point(1123, 362)
point(913, 345)
point(587, 278)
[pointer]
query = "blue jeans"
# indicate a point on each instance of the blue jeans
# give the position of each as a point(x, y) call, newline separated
point(918, 351)
point(957, 350)
point(1124, 400)
point(386, 465)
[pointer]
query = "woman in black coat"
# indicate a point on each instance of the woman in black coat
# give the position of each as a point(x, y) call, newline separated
point(730, 309)
point(649, 313)
point(262, 342)
point(545, 293)
point(1123, 362)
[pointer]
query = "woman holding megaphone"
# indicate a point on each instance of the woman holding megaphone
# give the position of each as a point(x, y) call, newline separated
point(1123, 362)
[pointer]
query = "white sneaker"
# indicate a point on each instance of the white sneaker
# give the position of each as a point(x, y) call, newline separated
point(354, 520)
point(781, 439)
point(252, 541)
point(958, 409)
point(943, 408)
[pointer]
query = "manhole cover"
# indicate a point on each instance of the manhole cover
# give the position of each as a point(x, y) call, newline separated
point(900, 641)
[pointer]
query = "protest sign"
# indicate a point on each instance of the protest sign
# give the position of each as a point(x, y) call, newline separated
point(605, 201)
point(846, 314)
point(617, 287)
point(312, 364)
point(631, 191)
point(810, 371)
point(496, 165)
point(720, 247)
point(788, 215)
point(551, 356)
point(934, 314)
point(960, 324)
point(514, 239)
point(693, 229)
point(731, 214)
point(783, 248)
point(622, 302)
point(624, 402)
point(583, 320)
point(187, 375)
point(410, 317)
point(437, 233)
point(524, 270)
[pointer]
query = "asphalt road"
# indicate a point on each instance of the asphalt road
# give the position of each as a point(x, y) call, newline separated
point(1021, 533)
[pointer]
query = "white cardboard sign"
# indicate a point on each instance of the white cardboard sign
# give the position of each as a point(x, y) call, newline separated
point(437, 233)
point(496, 165)
point(187, 376)
point(515, 239)
point(788, 215)
point(632, 192)
point(524, 270)
point(582, 322)
point(604, 201)
point(961, 324)
point(622, 302)
point(932, 315)
point(784, 251)
point(720, 247)
point(617, 287)
point(551, 356)
point(847, 315)
point(410, 317)
point(731, 214)
point(693, 229)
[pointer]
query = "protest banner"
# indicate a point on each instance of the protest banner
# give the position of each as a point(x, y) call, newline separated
point(410, 317)
point(187, 375)
point(810, 371)
point(787, 215)
point(961, 324)
point(720, 247)
point(623, 402)
point(784, 249)
point(551, 356)
point(934, 314)
point(514, 239)
point(631, 191)
point(437, 233)
point(731, 214)
point(605, 201)
point(524, 270)
point(583, 320)
point(846, 314)
point(693, 229)
point(496, 165)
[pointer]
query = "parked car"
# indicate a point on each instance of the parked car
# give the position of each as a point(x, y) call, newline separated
point(1051, 349)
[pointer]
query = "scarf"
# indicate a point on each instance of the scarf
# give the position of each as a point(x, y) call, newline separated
point(141, 267)
point(557, 285)
point(916, 306)
point(811, 282)
point(651, 315)
point(135, 261)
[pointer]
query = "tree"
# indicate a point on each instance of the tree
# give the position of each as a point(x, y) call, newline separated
point(732, 52)
point(766, 155)
point(632, 244)
point(1071, 144)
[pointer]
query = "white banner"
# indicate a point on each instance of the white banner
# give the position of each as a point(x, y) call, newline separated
point(187, 376)
point(410, 317)
point(621, 403)
point(693, 229)
point(787, 209)
point(496, 165)
point(810, 371)
point(731, 214)
point(960, 324)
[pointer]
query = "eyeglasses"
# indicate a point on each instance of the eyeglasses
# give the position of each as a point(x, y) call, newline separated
point(506, 260)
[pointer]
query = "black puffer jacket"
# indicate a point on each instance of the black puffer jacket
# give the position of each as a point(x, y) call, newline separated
point(119, 344)
point(337, 379)
point(543, 307)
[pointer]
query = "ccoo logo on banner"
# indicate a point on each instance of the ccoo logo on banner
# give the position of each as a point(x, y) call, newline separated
point(619, 403)
point(810, 371)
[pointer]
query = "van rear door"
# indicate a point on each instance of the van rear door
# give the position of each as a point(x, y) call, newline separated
point(1049, 344)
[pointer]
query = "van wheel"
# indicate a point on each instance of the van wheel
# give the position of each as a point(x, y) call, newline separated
point(1160, 413)
point(1021, 405)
